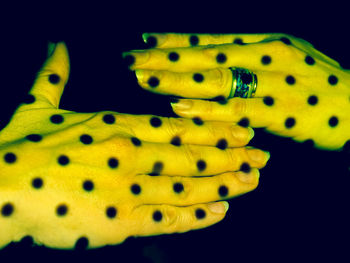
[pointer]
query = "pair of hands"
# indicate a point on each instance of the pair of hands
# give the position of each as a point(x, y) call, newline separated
point(86, 180)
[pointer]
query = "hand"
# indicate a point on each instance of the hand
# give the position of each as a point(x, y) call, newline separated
point(86, 180)
point(301, 93)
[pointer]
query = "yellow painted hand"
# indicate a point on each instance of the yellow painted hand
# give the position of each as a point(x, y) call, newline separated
point(301, 93)
point(86, 180)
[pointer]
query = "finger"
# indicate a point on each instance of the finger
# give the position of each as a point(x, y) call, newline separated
point(183, 191)
point(203, 84)
point(183, 131)
point(193, 160)
point(211, 84)
point(50, 81)
point(264, 56)
point(290, 117)
point(172, 40)
point(166, 219)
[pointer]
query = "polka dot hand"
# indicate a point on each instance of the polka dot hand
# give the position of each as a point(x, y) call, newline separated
point(86, 180)
point(301, 93)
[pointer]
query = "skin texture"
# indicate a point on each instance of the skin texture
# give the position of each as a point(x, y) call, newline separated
point(86, 180)
point(301, 93)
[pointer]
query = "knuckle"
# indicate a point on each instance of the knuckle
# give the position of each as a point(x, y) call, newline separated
point(232, 157)
point(238, 106)
point(176, 126)
point(171, 219)
point(191, 154)
point(222, 80)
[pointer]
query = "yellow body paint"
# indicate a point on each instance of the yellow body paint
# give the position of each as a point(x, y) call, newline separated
point(88, 180)
point(301, 93)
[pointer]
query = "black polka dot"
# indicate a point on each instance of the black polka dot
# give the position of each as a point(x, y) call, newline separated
point(173, 56)
point(56, 119)
point(245, 167)
point(151, 41)
point(86, 139)
point(178, 187)
point(197, 77)
point(176, 141)
point(34, 137)
point(81, 244)
point(155, 122)
point(221, 100)
point(135, 189)
point(312, 100)
point(238, 41)
point(346, 147)
point(37, 183)
point(286, 40)
point(28, 99)
point(221, 58)
point(290, 80)
point(198, 121)
point(61, 210)
point(129, 60)
point(266, 60)
point(157, 216)
point(108, 119)
point(289, 123)
point(54, 79)
point(194, 40)
point(222, 144)
point(135, 141)
point(333, 80)
point(200, 213)
point(309, 60)
point(10, 157)
point(333, 121)
point(7, 209)
point(63, 160)
point(153, 82)
point(223, 191)
point(157, 168)
point(268, 100)
point(201, 165)
point(113, 162)
point(244, 122)
point(111, 212)
point(88, 185)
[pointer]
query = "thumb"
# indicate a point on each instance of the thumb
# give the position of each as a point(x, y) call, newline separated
point(51, 79)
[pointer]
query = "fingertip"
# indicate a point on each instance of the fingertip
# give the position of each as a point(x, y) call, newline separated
point(145, 37)
point(50, 48)
point(150, 40)
point(251, 133)
point(249, 178)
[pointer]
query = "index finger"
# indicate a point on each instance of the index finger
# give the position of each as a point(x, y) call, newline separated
point(173, 40)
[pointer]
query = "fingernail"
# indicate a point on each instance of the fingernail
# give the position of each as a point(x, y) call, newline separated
point(251, 133)
point(218, 208)
point(141, 58)
point(182, 105)
point(139, 75)
point(258, 155)
point(50, 49)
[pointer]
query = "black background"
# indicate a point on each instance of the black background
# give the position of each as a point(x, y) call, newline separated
point(300, 209)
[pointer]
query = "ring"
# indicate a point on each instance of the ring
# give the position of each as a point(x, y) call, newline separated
point(244, 83)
